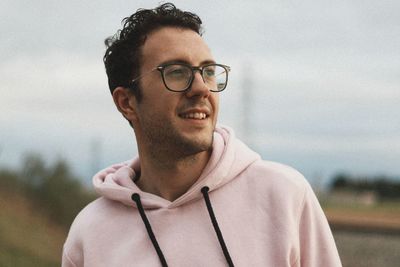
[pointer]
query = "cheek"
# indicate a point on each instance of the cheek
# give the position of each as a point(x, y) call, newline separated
point(162, 105)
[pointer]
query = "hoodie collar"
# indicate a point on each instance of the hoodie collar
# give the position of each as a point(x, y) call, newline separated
point(229, 157)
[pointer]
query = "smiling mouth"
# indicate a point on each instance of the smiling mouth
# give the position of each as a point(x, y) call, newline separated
point(194, 116)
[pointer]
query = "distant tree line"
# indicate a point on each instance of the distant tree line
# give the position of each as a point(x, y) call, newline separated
point(386, 188)
point(52, 189)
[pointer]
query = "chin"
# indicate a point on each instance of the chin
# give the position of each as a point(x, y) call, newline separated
point(191, 146)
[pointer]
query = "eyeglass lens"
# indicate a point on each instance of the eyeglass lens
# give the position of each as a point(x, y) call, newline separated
point(178, 77)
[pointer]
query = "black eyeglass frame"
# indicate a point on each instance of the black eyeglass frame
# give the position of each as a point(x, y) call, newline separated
point(162, 67)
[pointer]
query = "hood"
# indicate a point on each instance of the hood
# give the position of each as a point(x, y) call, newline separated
point(228, 159)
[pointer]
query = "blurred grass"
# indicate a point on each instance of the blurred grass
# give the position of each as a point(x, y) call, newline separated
point(384, 215)
point(37, 205)
point(27, 237)
point(365, 235)
point(380, 207)
point(368, 249)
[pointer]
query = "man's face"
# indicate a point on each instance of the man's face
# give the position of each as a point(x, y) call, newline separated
point(181, 123)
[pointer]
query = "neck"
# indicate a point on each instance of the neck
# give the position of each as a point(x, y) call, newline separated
point(170, 177)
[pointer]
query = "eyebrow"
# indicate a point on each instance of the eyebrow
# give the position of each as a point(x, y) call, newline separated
point(204, 62)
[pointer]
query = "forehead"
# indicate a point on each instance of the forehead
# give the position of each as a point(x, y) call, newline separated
point(174, 44)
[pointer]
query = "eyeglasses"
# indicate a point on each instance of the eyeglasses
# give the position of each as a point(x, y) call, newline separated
point(178, 77)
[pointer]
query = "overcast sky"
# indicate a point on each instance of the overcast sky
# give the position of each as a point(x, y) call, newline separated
point(314, 84)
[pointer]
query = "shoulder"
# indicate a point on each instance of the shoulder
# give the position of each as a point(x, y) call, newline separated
point(91, 222)
point(97, 211)
point(276, 184)
point(276, 174)
point(281, 187)
point(94, 218)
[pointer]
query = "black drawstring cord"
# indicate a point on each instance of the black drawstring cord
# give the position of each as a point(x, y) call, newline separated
point(205, 190)
point(135, 197)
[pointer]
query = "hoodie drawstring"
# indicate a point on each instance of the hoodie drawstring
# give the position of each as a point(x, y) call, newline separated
point(136, 198)
point(204, 190)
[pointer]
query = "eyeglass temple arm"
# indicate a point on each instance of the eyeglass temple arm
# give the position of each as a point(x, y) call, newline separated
point(141, 76)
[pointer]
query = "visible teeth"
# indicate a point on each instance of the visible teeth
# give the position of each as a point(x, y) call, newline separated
point(196, 115)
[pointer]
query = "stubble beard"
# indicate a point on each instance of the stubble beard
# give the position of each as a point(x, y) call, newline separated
point(168, 143)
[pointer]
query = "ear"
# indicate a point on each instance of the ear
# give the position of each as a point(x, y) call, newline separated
point(126, 103)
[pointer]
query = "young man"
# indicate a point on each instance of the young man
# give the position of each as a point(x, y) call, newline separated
point(196, 195)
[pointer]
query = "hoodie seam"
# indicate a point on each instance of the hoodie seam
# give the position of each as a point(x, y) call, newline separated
point(295, 262)
point(298, 224)
point(68, 258)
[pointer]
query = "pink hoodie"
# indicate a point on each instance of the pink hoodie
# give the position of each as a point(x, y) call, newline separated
point(267, 213)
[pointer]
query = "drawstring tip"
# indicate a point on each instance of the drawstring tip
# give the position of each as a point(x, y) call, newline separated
point(135, 197)
point(205, 189)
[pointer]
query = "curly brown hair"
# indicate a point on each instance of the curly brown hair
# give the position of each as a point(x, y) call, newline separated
point(123, 55)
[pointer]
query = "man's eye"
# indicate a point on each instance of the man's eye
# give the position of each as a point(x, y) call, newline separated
point(176, 72)
point(209, 72)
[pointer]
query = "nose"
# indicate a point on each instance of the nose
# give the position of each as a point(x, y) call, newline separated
point(198, 87)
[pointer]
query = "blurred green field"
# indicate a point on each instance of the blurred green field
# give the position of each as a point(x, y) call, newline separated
point(366, 235)
point(379, 216)
point(360, 249)
point(27, 238)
